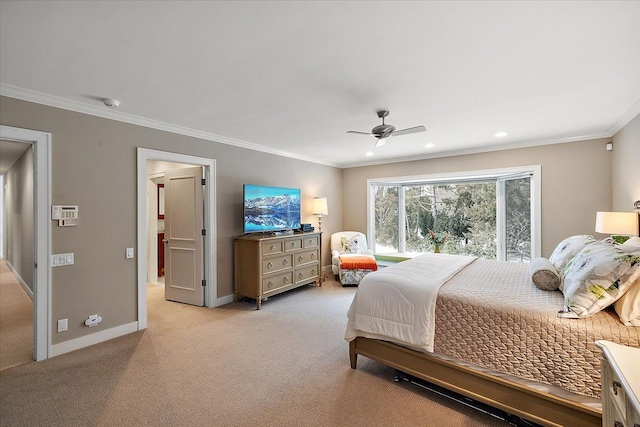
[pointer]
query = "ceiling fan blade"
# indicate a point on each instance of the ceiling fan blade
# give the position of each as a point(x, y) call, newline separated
point(407, 131)
point(360, 133)
point(381, 141)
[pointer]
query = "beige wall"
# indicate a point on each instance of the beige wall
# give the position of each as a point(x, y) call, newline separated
point(19, 217)
point(94, 167)
point(576, 182)
point(626, 166)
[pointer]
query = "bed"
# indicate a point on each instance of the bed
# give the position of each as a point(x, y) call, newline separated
point(497, 338)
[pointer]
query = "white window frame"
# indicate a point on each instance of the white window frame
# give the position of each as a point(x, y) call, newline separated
point(499, 175)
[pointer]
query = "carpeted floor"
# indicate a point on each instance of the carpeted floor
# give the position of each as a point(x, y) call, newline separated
point(285, 365)
point(16, 321)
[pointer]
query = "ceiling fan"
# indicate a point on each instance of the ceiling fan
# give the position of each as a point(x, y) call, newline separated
point(383, 132)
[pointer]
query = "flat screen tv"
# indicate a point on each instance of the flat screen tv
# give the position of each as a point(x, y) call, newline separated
point(269, 209)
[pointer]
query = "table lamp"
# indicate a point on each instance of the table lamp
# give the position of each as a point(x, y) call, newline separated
point(620, 225)
point(320, 209)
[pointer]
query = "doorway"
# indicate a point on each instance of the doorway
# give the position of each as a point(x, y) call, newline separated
point(175, 230)
point(40, 143)
point(145, 217)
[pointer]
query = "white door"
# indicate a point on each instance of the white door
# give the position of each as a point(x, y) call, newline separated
point(183, 231)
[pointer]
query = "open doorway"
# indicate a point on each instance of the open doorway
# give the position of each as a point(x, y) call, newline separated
point(175, 230)
point(148, 222)
point(16, 253)
point(28, 251)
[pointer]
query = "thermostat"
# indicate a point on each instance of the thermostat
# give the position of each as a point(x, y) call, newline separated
point(67, 215)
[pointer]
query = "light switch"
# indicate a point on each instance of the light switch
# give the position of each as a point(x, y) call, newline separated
point(129, 253)
point(58, 260)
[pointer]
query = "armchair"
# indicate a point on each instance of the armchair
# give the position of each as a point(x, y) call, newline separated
point(351, 260)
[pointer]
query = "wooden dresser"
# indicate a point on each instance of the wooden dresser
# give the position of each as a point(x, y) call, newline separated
point(620, 385)
point(266, 266)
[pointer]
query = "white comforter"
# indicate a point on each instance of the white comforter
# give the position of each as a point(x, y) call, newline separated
point(398, 303)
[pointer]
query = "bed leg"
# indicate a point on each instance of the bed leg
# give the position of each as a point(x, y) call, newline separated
point(353, 356)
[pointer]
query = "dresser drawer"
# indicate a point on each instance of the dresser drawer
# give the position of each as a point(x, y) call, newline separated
point(310, 242)
point(306, 274)
point(271, 265)
point(271, 248)
point(292, 245)
point(273, 283)
point(305, 257)
point(618, 398)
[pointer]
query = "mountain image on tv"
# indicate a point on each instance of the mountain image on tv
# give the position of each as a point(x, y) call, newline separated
point(271, 208)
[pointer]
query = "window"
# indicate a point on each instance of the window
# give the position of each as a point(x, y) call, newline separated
point(490, 214)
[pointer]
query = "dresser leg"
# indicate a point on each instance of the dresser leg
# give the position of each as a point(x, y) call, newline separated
point(258, 303)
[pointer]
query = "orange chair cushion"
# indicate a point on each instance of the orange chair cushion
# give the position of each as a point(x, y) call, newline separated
point(358, 263)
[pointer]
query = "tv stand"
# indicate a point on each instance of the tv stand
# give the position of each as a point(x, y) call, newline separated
point(268, 265)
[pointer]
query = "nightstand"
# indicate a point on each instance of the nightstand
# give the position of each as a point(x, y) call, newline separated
point(620, 379)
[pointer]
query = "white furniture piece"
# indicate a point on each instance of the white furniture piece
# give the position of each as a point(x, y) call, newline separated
point(620, 385)
point(350, 244)
point(266, 266)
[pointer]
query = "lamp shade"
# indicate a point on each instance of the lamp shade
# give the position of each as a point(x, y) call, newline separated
point(320, 206)
point(620, 223)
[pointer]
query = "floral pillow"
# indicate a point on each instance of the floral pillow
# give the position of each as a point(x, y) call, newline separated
point(596, 277)
point(349, 246)
point(569, 248)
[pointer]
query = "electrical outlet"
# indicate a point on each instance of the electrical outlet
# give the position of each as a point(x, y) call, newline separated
point(63, 325)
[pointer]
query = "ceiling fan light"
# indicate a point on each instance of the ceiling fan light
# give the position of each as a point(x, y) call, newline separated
point(381, 142)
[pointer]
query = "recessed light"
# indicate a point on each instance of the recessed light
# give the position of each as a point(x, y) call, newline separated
point(369, 153)
point(429, 145)
point(500, 134)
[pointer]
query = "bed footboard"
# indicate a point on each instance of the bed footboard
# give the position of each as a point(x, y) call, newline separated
point(540, 407)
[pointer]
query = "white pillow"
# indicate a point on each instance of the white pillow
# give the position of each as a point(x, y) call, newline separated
point(569, 248)
point(628, 306)
point(632, 241)
point(597, 277)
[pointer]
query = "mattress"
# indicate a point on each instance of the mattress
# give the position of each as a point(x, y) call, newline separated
point(491, 315)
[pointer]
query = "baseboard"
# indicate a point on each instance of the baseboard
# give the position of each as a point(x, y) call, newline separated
point(20, 280)
point(91, 339)
point(224, 300)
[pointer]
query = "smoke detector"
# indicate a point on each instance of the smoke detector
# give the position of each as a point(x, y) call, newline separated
point(110, 102)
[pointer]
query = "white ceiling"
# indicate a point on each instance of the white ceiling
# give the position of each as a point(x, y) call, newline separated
point(292, 77)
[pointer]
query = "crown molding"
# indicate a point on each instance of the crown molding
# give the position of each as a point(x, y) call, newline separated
point(104, 112)
point(483, 149)
point(626, 118)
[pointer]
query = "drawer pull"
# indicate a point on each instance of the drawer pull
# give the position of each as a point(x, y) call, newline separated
point(270, 284)
point(273, 247)
point(286, 279)
point(293, 244)
point(300, 275)
point(313, 256)
point(313, 271)
point(616, 385)
point(285, 262)
point(270, 265)
point(300, 258)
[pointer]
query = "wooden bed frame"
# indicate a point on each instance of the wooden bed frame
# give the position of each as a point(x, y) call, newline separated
point(539, 407)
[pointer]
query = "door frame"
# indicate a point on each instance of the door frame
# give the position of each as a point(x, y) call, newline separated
point(42, 234)
point(210, 248)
